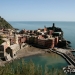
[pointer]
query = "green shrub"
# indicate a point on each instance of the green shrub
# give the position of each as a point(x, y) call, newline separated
point(1, 41)
point(29, 68)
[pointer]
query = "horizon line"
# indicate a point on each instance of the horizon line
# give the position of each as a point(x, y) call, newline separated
point(42, 21)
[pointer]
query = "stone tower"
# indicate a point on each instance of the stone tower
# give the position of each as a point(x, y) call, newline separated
point(15, 38)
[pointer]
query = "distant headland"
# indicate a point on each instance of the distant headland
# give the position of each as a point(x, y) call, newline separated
point(4, 24)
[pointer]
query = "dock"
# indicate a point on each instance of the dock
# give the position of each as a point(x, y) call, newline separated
point(66, 54)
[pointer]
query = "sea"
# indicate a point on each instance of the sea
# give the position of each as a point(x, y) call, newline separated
point(52, 61)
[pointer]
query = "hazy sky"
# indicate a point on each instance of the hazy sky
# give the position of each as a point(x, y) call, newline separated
point(38, 10)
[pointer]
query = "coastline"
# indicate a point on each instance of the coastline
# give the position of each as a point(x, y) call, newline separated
point(24, 52)
point(29, 51)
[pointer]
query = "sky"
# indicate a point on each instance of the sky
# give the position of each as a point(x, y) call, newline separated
point(37, 10)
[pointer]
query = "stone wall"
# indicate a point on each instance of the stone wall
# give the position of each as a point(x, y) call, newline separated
point(12, 50)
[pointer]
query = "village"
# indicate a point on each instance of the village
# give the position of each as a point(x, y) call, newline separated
point(41, 38)
point(18, 44)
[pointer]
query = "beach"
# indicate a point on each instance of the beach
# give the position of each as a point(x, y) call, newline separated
point(29, 50)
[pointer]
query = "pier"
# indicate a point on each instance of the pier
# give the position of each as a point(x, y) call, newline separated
point(67, 54)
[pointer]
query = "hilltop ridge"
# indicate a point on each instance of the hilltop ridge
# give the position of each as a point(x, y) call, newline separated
point(4, 24)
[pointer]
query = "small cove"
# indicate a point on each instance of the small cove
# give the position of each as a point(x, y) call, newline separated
point(51, 60)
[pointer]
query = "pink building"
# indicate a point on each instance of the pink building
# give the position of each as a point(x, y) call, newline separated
point(56, 41)
point(50, 32)
point(22, 39)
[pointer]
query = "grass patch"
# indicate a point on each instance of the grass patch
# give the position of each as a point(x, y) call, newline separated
point(28, 68)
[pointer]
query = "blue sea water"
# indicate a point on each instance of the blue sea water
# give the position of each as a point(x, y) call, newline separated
point(55, 60)
point(67, 27)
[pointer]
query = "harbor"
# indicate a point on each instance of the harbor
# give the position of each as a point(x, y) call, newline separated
point(37, 37)
point(26, 43)
point(68, 56)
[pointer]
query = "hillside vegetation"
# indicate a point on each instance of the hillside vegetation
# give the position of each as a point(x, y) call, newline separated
point(28, 68)
point(1, 41)
point(4, 24)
